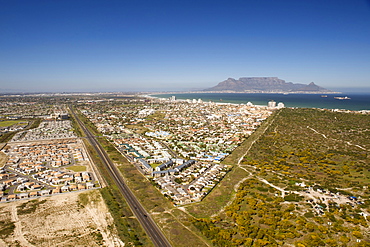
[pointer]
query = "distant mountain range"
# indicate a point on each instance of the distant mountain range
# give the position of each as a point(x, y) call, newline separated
point(266, 85)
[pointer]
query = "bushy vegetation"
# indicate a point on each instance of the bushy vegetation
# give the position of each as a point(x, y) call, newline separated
point(325, 149)
point(257, 218)
point(6, 228)
point(128, 228)
point(29, 206)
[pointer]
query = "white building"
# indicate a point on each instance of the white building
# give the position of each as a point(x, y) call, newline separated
point(271, 104)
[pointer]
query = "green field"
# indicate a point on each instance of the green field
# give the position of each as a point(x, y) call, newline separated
point(77, 168)
point(9, 123)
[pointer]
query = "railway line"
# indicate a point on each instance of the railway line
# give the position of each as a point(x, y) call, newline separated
point(144, 218)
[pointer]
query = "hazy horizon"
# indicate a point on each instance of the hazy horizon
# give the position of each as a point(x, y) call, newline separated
point(92, 46)
point(359, 90)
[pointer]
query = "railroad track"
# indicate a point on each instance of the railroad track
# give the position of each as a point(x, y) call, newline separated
point(144, 218)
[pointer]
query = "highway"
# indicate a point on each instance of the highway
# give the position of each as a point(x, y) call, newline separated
point(144, 218)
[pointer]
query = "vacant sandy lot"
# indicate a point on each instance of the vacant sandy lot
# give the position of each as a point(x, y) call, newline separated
point(70, 219)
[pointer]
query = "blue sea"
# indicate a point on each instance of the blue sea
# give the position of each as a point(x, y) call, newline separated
point(356, 102)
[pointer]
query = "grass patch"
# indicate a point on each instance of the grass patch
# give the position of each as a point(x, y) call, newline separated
point(138, 128)
point(8, 136)
point(85, 198)
point(9, 123)
point(316, 146)
point(219, 196)
point(157, 116)
point(77, 168)
point(155, 165)
point(293, 198)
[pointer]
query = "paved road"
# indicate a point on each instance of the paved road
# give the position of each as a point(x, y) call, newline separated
point(144, 218)
point(169, 149)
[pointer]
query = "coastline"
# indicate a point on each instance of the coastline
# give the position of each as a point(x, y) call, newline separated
point(250, 92)
point(353, 102)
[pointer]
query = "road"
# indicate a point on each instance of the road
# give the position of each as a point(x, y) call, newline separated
point(144, 218)
point(169, 149)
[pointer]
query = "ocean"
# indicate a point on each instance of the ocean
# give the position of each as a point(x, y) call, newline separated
point(356, 102)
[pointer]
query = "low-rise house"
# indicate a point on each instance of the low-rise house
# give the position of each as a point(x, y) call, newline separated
point(10, 182)
point(55, 191)
point(21, 187)
point(33, 194)
point(23, 195)
point(85, 176)
point(36, 187)
point(65, 188)
point(81, 187)
point(164, 165)
point(11, 197)
point(146, 166)
point(73, 187)
point(29, 185)
point(89, 185)
point(69, 180)
point(44, 192)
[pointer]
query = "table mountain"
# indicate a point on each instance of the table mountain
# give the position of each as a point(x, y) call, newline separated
point(265, 84)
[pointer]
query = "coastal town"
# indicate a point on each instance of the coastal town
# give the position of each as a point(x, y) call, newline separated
point(177, 144)
point(185, 123)
point(182, 151)
point(180, 147)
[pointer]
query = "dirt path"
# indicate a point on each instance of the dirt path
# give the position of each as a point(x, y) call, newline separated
point(237, 185)
point(61, 221)
point(18, 228)
point(349, 143)
point(316, 132)
point(183, 209)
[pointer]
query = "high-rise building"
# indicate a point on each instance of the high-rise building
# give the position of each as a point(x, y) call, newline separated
point(280, 105)
point(271, 104)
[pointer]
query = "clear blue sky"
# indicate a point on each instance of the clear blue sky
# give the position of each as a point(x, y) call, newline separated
point(112, 45)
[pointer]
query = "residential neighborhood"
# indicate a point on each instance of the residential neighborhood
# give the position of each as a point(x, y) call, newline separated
point(46, 160)
point(175, 143)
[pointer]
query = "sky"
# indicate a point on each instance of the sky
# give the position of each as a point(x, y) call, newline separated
point(167, 45)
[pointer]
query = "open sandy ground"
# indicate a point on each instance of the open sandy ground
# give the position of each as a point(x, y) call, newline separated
point(70, 219)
